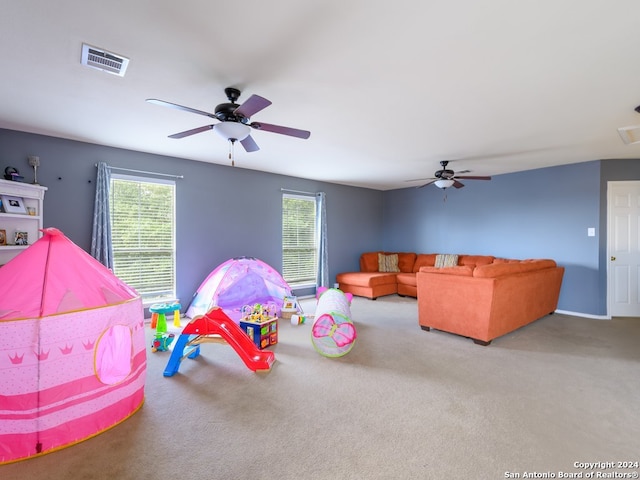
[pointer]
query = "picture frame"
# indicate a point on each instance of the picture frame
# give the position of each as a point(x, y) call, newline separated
point(21, 238)
point(13, 204)
point(3, 237)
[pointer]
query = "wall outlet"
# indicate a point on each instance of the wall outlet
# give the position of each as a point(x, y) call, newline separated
point(591, 232)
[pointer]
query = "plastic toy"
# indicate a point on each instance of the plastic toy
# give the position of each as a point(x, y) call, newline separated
point(333, 333)
point(217, 327)
point(162, 339)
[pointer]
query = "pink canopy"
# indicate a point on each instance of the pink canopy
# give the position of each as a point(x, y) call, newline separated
point(54, 275)
point(72, 349)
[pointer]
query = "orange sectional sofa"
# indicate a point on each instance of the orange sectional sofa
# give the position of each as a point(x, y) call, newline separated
point(372, 283)
point(487, 301)
point(481, 297)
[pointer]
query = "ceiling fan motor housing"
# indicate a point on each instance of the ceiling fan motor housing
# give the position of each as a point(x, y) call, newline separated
point(445, 174)
point(225, 113)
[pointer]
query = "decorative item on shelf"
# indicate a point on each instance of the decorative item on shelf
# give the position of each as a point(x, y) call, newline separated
point(35, 163)
point(31, 211)
point(21, 238)
point(12, 173)
point(12, 204)
point(3, 237)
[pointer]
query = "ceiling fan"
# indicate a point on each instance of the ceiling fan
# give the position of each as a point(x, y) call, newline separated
point(446, 178)
point(235, 124)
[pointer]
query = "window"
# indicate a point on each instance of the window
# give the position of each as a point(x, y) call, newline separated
point(143, 235)
point(299, 247)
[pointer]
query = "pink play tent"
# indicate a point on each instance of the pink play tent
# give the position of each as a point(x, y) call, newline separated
point(72, 349)
point(237, 282)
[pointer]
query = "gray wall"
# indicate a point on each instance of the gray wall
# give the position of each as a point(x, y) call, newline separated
point(222, 211)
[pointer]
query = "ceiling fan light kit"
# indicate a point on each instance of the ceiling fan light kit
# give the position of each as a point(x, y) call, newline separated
point(235, 124)
point(444, 183)
point(232, 130)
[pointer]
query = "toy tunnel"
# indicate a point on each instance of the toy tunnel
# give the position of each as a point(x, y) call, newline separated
point(333, 333)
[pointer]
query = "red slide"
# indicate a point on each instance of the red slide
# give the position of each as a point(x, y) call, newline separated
point(216, 322)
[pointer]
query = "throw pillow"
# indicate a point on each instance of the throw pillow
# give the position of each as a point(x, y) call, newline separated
point(388, 263)
point(446, 260)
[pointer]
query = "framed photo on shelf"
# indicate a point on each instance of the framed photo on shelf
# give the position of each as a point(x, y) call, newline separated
point(13, 204)
point(3, 237)
point(21, 238)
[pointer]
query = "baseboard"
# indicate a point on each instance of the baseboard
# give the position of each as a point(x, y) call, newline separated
point(585, 315)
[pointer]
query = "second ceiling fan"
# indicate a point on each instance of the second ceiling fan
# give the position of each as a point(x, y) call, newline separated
point(235, 120)
point(446, 178)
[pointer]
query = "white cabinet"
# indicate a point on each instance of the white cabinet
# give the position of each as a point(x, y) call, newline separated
point(32, 197)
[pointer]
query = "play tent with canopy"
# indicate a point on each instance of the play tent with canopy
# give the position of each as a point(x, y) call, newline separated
point(72, 349)
point(237, 282)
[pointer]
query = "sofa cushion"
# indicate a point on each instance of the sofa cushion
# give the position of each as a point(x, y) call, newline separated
point(424, 260)
point(463, 270)
point(506, 260)
point(369, 262)
point(407, 279)
point(388, 262)
point(475, 260)
point(499, 269)
point(366, 279)
point(406, 260)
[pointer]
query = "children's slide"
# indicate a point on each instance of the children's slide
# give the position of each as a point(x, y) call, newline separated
point(216, 326)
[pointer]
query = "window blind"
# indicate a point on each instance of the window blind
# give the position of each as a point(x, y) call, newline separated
point(299, 249)
point(143, 235)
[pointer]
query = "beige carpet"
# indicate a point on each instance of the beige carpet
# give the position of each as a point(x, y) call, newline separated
point(403, 404)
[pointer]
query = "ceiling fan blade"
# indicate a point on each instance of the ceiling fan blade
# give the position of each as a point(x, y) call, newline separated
point(428, 183)
point(162, 103)
point(268, 127)
point(249, 144)
point(474, 178)
point(193, 131)
point(457, 184)
point(253, 105)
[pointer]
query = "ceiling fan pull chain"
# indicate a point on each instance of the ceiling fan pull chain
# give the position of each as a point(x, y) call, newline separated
point(232, 141)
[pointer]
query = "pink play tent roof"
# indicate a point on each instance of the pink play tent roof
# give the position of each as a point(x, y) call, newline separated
point(54, 275)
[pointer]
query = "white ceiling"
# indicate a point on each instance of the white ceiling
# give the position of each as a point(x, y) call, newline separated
point(387, 89)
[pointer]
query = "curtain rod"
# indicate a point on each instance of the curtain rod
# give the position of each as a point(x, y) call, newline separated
point(143, 171)
point(297, 191)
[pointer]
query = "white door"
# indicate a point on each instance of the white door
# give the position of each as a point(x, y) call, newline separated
point(623, 274)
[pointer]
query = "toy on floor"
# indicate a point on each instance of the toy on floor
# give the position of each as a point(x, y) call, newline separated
point(159, 311)
point(259, 312)
point(290, 307)
point(162, 341)
point(298, 319)
point(215, 326)
point(260, 323)
point(333, 333)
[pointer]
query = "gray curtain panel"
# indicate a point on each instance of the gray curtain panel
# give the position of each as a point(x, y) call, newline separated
point(101, 247)
point(321, 229)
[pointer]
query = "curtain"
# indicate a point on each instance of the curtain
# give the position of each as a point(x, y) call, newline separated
point(101, 248)
point(321, 232)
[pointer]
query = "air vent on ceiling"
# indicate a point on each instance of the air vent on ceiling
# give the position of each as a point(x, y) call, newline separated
point(103, 60)
point(630, 135)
